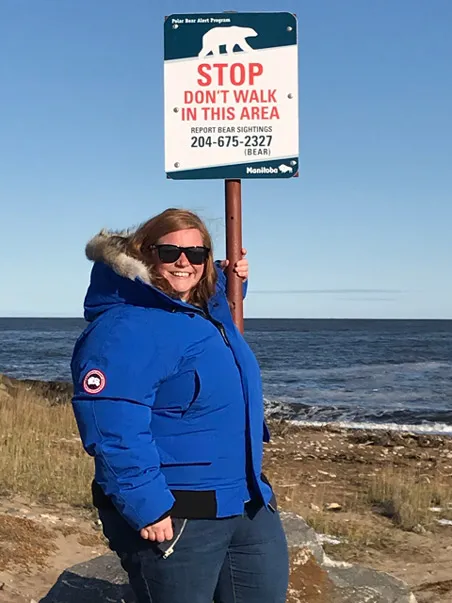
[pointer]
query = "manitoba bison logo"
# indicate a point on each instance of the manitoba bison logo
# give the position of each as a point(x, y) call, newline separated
point(94, 382)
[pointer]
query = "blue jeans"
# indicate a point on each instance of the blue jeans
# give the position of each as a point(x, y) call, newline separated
point(241, 559)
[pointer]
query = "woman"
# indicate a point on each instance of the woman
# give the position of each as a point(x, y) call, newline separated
point(168, 401)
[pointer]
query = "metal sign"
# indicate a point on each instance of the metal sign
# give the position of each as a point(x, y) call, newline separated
point(231, 96)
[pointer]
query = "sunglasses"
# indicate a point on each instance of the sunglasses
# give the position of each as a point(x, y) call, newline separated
point(168, 254)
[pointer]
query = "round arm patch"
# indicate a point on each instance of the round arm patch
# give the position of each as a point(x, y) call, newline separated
point(94, 381)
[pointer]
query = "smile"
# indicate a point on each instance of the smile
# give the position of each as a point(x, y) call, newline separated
point(181, 274)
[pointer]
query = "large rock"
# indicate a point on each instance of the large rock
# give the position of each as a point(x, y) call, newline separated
point(314, 577)
point(96, 581)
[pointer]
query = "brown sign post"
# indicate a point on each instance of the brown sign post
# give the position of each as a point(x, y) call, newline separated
point(233, 214)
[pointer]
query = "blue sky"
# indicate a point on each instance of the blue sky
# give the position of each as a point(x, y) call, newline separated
point(363, 232)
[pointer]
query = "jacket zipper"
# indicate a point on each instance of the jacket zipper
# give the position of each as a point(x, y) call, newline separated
point(170, 550)
point(222, 330)
point(218, 325)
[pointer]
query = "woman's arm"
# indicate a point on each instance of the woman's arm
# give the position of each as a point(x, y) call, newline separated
point(116, 371)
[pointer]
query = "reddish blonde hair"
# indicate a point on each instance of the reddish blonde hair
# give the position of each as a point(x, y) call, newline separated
point(172, 220)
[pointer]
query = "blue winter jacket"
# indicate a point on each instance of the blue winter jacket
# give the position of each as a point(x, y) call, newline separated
point(167, 398)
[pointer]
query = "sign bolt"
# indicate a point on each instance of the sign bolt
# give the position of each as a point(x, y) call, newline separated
point(176, 109)
point(290, 95)
point(177, 164)
point(175, 26)
point(288, 29)
point(293, 162)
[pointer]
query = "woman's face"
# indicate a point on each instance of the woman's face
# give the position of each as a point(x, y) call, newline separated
point(181, 274)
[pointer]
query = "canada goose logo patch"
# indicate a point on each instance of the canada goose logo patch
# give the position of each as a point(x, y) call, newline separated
point(94, 382)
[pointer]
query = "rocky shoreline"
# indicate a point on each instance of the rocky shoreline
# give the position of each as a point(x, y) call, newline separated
point(60, 392)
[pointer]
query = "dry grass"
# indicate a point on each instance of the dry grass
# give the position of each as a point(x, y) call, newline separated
point(354, 524)
point(91, 540)
point(353, 533)
point(407, 498)
point(24, 543)
point(40, 451)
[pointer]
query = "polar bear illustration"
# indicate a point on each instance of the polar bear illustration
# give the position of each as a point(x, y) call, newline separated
point(285, 169)
point(226, 36)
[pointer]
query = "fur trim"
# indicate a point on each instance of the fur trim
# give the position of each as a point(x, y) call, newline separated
point(110, 248)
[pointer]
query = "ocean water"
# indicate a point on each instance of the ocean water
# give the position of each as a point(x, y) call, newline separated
point(391, 374)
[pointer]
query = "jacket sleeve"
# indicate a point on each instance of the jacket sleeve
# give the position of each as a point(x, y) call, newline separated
point(116, 372)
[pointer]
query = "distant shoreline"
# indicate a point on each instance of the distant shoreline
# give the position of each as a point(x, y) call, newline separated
point(60, 392)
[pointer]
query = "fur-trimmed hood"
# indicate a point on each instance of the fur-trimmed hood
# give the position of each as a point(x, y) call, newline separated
point(117, 278)
point(110, 247)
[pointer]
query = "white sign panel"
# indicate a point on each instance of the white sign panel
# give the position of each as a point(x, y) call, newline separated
point(231, 96)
